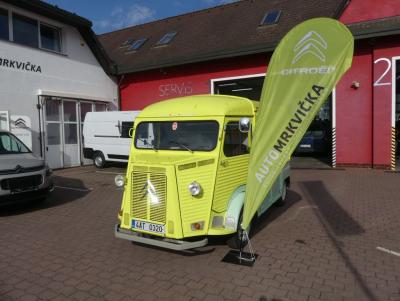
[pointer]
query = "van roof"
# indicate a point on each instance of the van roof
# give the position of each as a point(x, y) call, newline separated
point(201, 105)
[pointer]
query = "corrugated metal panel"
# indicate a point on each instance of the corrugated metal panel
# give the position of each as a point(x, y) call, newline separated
point(139, 195)
point(149, 196)
point(195, 209)
point(158, 209)
point(229, 178)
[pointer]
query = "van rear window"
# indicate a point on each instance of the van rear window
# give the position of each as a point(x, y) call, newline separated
point(177, 135)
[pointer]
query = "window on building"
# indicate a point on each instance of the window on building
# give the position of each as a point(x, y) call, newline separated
point(25, 30)
point(85, 108)
point(236, 142)
point(70, 133)
point(271, 17)
point(50, 38)
point(125, 129)
point(4, 33)
point(100, 107)
point(127, 43)
point(167, 38)
point(137, 44)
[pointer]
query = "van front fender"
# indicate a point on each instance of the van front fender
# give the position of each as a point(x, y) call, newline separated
point(235, 206)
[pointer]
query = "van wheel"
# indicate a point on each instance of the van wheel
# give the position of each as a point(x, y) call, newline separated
point(234, 241)
point(99, 160)
point(282, 200)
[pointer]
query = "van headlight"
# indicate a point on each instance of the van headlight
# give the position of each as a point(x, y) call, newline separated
point(194, 188)
point(119, 180)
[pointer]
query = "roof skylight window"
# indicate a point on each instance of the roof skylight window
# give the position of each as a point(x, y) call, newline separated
point(127, 42)
point(137, 44)
point(167, 38)
point(271, 17)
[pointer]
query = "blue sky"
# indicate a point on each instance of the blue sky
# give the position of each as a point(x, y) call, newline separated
point(109, 15)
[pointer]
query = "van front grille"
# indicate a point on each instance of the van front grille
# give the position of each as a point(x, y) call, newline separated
point(149, 193)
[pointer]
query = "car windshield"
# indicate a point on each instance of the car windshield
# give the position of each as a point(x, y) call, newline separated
point(9, 144)
point(177, 135)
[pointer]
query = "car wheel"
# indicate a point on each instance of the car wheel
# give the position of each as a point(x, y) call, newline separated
point(99, 160)
point(234, 241)
point(282, 200)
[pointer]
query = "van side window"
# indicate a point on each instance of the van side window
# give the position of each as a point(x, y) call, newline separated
point(236, 142)
point(125, 127)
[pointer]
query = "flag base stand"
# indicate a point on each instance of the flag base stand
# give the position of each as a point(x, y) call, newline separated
point(240, 258)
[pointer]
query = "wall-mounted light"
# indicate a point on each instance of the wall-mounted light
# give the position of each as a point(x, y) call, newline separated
point(355, 85)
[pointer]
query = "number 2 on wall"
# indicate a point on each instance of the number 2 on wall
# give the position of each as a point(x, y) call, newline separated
point(389, 65)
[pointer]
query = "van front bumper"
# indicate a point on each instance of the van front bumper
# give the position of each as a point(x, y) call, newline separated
point(173, 244)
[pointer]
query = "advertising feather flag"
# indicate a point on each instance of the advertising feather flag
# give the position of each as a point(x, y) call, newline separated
point(305, 67)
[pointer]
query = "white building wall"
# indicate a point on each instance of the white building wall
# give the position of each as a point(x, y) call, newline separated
point(75, 73)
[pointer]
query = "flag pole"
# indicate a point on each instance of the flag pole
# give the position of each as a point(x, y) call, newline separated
point(241, 244)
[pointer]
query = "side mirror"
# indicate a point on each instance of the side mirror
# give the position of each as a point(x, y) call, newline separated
point(244, 124)
point(130, 133)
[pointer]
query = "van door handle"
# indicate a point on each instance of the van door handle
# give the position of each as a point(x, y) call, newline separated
point(224, 163)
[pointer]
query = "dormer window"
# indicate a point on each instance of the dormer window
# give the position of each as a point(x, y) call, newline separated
point(167, 38)
point(127, 42)
point(137, 44)
point(271, 17)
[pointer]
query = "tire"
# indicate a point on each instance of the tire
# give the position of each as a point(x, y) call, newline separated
point(99, 160)
point(234, 241)
point(282, 200)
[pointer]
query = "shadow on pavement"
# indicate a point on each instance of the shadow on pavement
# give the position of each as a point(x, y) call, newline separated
point(339, 220)
point(115, 165)
point(318, 195)
point(66, 190)
point(192, 252)
point(274, 212)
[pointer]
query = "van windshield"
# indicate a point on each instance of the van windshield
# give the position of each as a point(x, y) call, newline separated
point(177, 135)
point(9, 144)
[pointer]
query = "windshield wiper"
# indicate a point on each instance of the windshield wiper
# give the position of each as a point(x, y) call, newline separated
point(181, 145)
point(147, 143)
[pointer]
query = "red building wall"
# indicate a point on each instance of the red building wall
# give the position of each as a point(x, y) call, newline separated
point(364, 10)
point(144, 88)
point(384, 52)
point(354, 112)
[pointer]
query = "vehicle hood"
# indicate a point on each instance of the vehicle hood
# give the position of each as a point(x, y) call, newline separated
point(11, 161)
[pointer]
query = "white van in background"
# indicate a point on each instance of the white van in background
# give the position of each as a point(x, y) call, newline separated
point(106, 136)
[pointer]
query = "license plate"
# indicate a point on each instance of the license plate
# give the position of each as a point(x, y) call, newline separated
point(149, 227)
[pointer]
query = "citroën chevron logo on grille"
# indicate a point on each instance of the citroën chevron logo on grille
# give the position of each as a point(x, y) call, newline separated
point(149, 190)
point(312, 43)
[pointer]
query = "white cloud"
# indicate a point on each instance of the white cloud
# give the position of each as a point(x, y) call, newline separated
point(138, 14)
point(121, 17)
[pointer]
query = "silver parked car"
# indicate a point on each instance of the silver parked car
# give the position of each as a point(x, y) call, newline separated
point(23, 176)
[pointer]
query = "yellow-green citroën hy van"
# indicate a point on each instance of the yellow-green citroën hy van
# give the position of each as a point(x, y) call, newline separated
point(187, 172)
